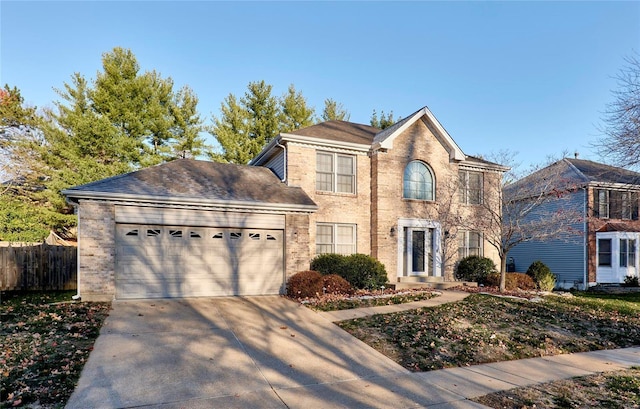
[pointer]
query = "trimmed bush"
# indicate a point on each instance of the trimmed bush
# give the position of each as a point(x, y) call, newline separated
point(542, 276)
point(512, 281)
point(360, 270)
point(475, 269)
point(365, 272)
point(334, 284)
point(519, 280)
point(329, 264)
point(304, 284)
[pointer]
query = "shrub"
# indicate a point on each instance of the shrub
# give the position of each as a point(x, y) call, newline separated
point(475, 268)
point(631, 281)
point(304, 284)
point(519, 280)
point(329, 264)
point(364, 272)
point(542, 276)
point(334, 284)
point(512, 281)
point(360, 270)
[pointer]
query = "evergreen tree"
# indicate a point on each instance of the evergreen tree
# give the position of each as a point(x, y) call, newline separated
point(334, 111)
point(385, 121)
point(245, 127)
point(295, 113)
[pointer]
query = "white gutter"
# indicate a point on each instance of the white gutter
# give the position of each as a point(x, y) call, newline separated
point(224, 204)
point(284, 162)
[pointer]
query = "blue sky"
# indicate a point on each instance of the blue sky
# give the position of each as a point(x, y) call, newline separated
point(530, 77)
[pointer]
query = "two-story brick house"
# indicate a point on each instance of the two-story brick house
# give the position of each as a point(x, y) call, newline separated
point(602, 247)
point(197, 228)
point(382, 192)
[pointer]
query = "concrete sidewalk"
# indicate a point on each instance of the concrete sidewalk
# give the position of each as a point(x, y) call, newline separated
point(270, 352)
point(444, 298)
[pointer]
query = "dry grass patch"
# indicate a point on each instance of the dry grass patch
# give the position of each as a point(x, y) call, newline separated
point(619, 389)
point(45, 339)
point(484, 328)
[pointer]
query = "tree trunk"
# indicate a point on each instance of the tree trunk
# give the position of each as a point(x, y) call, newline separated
point(503, 272)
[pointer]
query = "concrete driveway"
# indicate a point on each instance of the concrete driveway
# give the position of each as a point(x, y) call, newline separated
point(257, 352)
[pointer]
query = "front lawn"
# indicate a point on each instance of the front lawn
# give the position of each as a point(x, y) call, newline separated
point(45, 339)
point(485, 328)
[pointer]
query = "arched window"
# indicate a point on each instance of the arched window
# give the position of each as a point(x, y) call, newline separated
point(417, 182)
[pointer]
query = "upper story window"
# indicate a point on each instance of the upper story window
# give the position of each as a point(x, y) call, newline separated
point(471, 187)
point(616, 204)
point(335, 172)
point(417, 181)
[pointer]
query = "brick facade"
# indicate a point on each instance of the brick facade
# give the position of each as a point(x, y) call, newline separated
point(96, 238)
point(333, 207)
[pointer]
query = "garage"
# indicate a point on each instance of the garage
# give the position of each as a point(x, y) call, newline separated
point(155, 261)
point(189, 228)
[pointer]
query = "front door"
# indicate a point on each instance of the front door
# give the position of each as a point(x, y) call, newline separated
point(419, 251)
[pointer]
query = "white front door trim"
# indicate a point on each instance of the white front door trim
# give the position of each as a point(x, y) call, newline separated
point(416, 224)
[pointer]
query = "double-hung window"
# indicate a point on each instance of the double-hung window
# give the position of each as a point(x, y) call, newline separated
point(471, 187)
point(335, 172)
point(469, 244)
point(627, 252)
point(616, 204)
point(604, 252)
point(335, 238)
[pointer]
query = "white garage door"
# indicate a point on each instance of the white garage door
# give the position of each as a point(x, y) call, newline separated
point(154, 261)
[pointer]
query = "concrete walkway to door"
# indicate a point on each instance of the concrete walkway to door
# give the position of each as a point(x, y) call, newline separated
point(269, 352)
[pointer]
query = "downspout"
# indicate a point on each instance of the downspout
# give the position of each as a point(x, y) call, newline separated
point(76, 210)
point(284, 162)
point(584, 240)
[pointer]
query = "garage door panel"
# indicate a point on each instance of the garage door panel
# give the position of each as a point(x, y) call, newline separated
point(181, 261)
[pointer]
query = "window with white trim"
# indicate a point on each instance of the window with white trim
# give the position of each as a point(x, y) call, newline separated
point(627, 253)
point(335, 172)
point(469, 244)
point(604, 252)
point(471, 187)
point(335, 238)
point(616, 204)
point(417, 182)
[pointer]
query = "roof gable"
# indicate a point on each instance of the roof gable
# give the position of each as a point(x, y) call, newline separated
point(384, 139)
point(599, 172)
point(192, 180)
point(341, 131)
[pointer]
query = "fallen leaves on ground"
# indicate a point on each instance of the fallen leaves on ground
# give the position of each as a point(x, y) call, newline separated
point(484, 328)
point(43, 346)
point(367, 298)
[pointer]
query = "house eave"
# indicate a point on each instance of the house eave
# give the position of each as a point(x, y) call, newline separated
point(74, 196)
point(287, 137)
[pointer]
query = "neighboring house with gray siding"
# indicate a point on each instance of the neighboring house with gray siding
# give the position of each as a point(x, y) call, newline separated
point(603, 248)
point(195, 228)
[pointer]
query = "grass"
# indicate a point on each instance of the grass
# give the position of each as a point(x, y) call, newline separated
point(618, 389)
point(45, 339)
point(367, 299)
point(484, 328)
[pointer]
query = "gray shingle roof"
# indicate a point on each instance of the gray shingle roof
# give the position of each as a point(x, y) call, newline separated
point(342, 131)
point(201, 180)
point(599, 172)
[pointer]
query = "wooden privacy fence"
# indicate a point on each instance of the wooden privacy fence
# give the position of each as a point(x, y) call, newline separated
point(38, 267)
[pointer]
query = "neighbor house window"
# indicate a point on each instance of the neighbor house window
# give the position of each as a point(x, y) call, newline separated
point(627, 253)
point(417, 181)
point(335, 172)
point(604, 252)
point(616, 204)
point(471, 187)
point(335, 238)
point(469, 244)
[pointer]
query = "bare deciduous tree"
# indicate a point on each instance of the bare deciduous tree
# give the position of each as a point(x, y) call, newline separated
point(536, 207)
point(621, 129)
